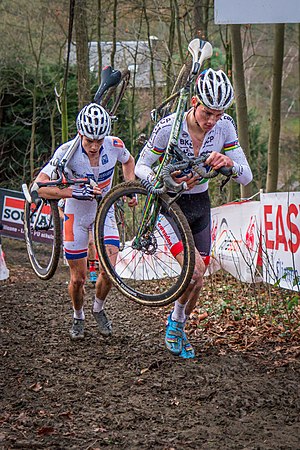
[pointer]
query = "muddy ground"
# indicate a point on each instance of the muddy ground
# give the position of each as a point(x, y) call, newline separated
point(127, 392)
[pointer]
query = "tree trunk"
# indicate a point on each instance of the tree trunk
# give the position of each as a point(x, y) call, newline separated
point(240, 96)
point(133, 118)
point(82, 53)
point(177, 20)
point(151, 41)
point(170, 49)
point(114, 34)
point(37, 58)
point(99, 39)
point(273, 144)
point(201, 16)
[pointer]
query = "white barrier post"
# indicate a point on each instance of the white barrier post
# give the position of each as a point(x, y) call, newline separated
point(4, 272)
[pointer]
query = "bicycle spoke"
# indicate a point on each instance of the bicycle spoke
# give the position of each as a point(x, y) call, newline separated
point(145, 270)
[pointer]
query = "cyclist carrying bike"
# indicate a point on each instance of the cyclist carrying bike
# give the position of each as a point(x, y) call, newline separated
point(205, 128)
point(95, 158)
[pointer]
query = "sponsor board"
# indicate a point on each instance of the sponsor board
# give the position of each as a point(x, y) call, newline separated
point(12, 217)
point(280, 237)
point(235, 240)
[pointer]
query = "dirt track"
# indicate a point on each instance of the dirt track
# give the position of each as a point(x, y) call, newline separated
point(127, 392)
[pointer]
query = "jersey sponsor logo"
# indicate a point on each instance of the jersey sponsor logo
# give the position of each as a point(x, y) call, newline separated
point(166, 120)
point(104, 159)
point(105, 175)
point(185, 142)
point(209, 140)
point(228, 118)
point(118, 143)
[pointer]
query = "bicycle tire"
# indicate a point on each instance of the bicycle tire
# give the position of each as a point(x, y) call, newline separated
point(135, 273)
point(43, 257)
point(118, 91)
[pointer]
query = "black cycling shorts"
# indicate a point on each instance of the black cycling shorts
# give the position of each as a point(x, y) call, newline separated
point(196, 208)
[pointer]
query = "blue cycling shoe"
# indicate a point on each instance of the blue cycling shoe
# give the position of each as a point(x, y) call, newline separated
point(174, 336)
point(187, 349)
point(176, 340)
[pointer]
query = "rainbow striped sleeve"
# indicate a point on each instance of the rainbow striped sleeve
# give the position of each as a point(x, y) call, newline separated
point(158, 151)
point(230, 146)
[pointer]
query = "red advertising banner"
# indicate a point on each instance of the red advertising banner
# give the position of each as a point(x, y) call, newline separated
point(280, 235)
point(12, 217)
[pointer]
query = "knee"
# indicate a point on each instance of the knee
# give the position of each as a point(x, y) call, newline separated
point(197, 278)
point(77, 280)
point(104, 276)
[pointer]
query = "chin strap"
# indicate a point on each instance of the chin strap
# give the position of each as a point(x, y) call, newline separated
point(194, 114)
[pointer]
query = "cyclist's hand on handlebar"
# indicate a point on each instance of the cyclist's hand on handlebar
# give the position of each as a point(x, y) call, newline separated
point(191, 179)
point(217, 160)
point(84, 193)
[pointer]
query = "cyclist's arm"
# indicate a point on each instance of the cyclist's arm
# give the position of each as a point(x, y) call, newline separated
point(233, 151)
point(54, 192)
point(243, 174)
point(128, 169)
point(154, 149)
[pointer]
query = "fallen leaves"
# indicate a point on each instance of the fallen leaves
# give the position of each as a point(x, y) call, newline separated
point(240, 316)
point(45, 431)
point(36, 387)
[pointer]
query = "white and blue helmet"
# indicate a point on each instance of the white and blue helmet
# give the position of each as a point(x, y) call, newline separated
point(93, 122)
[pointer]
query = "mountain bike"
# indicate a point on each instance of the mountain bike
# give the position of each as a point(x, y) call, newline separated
point(157, 260)
point(41, 216)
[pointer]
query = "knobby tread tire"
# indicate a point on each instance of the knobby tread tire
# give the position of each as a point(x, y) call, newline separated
point(152, 299)
point(47, 273)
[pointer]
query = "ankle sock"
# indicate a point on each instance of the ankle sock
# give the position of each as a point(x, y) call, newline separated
point(98, 304)
point(79, 314)
point(178, 313)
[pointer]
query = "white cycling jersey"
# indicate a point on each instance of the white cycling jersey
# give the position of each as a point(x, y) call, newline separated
point(79, 215)
point(221, 138)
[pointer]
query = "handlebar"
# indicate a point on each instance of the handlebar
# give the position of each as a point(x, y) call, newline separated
point(61, 182)
point(167, 182)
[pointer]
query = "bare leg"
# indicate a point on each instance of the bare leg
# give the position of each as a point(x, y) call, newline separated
point(103, 284)
point(175, 338)
point(191, 295)
point(77, 280)
point(91, 247)
point(76, 292)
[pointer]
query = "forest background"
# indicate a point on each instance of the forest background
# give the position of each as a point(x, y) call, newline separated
point(263, 60)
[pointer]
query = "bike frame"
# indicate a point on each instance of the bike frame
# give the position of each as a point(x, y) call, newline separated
point(200, 51)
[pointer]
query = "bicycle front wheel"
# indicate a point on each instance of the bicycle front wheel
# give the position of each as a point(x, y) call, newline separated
point(42, 232)
point(152, 264)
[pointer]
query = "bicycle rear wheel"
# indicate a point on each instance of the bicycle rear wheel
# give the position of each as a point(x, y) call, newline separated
point(42, 231)
point(155, 268)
